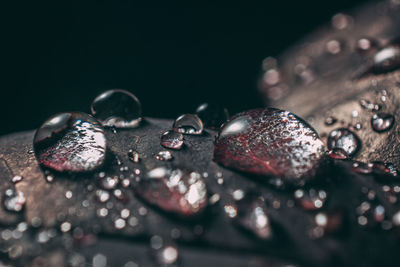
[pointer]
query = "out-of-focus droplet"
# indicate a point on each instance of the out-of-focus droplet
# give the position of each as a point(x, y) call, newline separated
point(108, 182)
point(337, 153)
point(188, 124)
point(17, 179)
point(382, 122)
point(72, 141)
point(133, 156)
point(164, 155)
point(172, 140)
point(269, 142)
point(333, 47)
point(368, 105)
point(366, 45)
point(311, 199)
point(212, 115)
point(178, 191)
point(363, 168)
point(341, 21)
point(117, 108)
point(13, 201)
point(167, 255)
point(252, 216)
point(344, 139)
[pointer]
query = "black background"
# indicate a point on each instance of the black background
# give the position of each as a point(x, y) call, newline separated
point(59, 56)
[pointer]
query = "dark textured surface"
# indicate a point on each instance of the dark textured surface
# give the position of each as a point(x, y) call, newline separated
point(207, 240)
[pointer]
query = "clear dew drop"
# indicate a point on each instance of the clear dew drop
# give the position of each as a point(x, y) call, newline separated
point(188, 124)
point(212, 115)
point(178, 191)
point(164, 155)
point(382, 122)
point(117, 108)
point(330, 120)
point(73, 142)
point(344, 139)
point(269, 142)
point(13, 201)
point(172, 140)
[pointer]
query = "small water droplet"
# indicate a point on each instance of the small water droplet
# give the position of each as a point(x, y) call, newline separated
point(172, 140)
point(164, 155)
point(174, 190)
point(168, 255)
point(368, 105)
point(102, 196)
point(230, 210)
point(72, 141)
point(366, 45)
point(333, 47)
point(14, 201)
point(338, 153)
point(17, 179)
point(344, 139)
point(212, 115)
point(382, 122)
point(188, 124)
point(341, 21)
point(117, 108)
point(108, 182)
point(133, 156)
point(269, 142)
point(330, 120)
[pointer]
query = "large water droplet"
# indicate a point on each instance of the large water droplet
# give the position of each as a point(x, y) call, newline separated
point(188, 124)
point(174, 190)
point(386, 59)
point(382, 122)
point(117, 108)
point(72, 141)
point(13, 201)
point(172, 140)
point(269, 142)
point(213, 116)
point(344, 139)
point(253, 217)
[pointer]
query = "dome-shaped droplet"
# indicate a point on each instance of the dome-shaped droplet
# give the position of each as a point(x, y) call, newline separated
point(188, 124)
point(382, 122)
point(172, 140)
point(72, 141)
point(344, 139)
point(269, 142)
point(213, 116)
point(117, 108)
point(164, 155)
point(13, 201)
point(252, 216)
point(387, 59)
point(174, 190)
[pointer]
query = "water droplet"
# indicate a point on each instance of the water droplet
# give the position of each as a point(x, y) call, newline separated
point(366, 45)
point(363, 168)
point(172, 140)
point(133, 156)
point(108, 182)
point(368, 105)
point(117, 108)
point(230, 210)
point(14, 201)
point(333, 47)
point(174, 190)
point(17, 179)
point(337, 153)
point(253, 217)
point(330, 120)
point(341, 21)
point(269, 142)
point(213, 116)
point(188, 124)
point(164, 155)
point(386, 59)
point(344, 139)
point(71, 141)
point(382, 122)
point(168, 255)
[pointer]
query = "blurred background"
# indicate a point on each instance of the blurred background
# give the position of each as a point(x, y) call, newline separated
point(59, 56)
